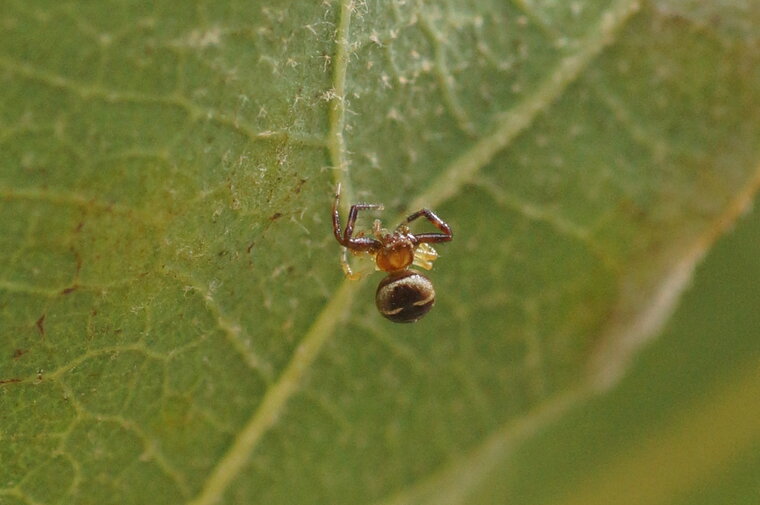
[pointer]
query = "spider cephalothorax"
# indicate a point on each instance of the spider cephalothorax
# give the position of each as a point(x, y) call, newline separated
point(405, 295)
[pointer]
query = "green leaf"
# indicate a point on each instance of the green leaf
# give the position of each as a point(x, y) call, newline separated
point(174, 326)
point(682, 426)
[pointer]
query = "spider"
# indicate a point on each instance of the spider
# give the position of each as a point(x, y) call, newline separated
point(404, 295)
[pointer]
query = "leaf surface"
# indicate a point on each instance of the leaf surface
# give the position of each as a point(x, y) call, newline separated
point(173, 322)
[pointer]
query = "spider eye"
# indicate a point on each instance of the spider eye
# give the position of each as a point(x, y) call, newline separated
point(404, 297)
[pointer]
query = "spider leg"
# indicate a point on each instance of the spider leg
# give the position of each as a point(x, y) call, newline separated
point(377, 229)
point(347, 271)
point(439, 223)
point(336, 218)
point(349, 231)
point(346, 238)
point(424, 256)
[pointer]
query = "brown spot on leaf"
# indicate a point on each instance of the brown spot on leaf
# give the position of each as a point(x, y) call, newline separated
point(41, 324)
point(8, 381)
point(70, 289)
point(18, 353)
point(248, 249)
point(299, 186)
point(275, 216)
point(79, 261)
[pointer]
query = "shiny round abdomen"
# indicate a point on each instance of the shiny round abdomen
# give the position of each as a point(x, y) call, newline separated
point(404, 297)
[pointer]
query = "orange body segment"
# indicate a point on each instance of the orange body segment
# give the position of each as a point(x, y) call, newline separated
point(396, 258)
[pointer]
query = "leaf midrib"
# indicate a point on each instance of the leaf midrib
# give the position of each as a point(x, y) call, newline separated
point(458, 173)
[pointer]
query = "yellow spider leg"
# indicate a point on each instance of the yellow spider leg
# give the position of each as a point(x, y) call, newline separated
point(350, 274)
point(361, 270)
point(424, 256)
point(378, 231)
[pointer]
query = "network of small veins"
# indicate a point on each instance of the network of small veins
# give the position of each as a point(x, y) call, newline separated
point(404, 295)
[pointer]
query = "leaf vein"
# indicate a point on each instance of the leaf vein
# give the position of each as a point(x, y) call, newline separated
point(276, 397)
point(194, 111)
point(336, 143)
point(458, 173)
point(625, 118)
point(511, 123)
point(532, 12)
point(452, 484)
point(232, 330)
point(444, 77)
point(560, 225)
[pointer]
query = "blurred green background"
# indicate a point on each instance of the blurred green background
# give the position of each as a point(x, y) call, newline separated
point(683, 427)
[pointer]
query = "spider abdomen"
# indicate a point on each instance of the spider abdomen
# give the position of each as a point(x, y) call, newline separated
point(405, 296)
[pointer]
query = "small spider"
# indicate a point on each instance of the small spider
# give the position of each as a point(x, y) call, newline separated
point(404, 295)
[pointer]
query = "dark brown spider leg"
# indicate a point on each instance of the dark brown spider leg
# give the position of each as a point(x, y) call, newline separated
point(352, 214)
point(346, 238)
point(430, 238)
point(336, 218)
